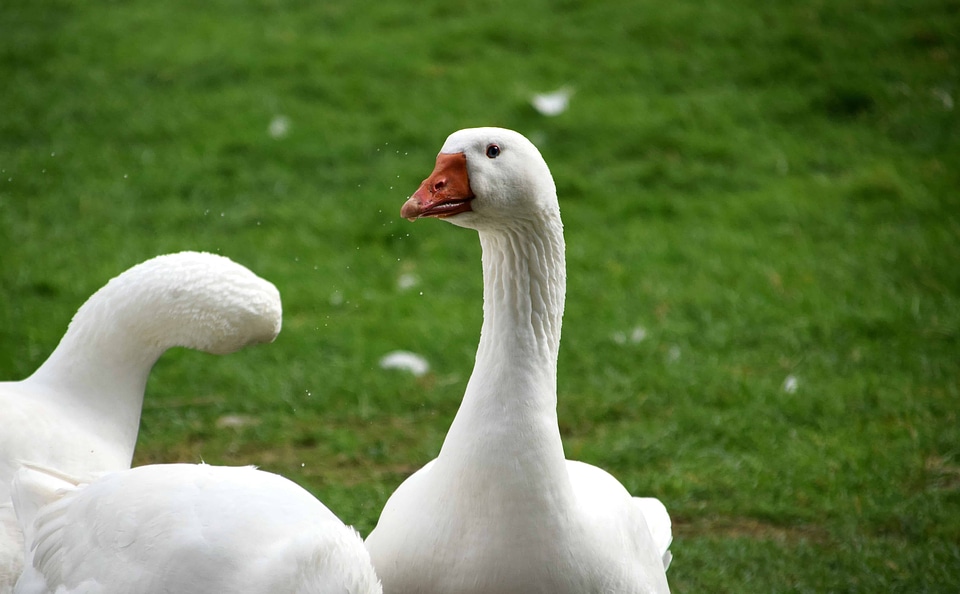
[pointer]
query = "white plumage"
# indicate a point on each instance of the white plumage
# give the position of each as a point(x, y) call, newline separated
point(80, 411)
point(184, 529)
point(500, 510)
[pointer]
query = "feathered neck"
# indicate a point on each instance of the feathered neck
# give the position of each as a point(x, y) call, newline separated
point(524, 282)
point(98, 372)
point(101, 365)
point(508, 415)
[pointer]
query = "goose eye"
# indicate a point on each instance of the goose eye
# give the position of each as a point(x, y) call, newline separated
point(493, 151)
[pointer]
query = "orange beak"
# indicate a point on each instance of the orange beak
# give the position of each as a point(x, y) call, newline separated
point(445, 193)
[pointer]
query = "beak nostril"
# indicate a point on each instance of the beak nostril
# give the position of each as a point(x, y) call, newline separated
point(439, 185)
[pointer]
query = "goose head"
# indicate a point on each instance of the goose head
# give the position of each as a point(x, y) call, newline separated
point(196, 300)
point(485, 178)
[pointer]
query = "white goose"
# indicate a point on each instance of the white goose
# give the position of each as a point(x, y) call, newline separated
point(184, 529)
point(80, 411)
point(500, 510)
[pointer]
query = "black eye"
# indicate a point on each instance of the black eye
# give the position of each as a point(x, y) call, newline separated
point(493, 151)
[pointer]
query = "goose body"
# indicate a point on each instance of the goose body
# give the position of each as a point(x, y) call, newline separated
point(79, 412)
point(500, 510)
point(184, 529)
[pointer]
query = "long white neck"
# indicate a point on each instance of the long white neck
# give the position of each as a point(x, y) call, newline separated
point(100, 368)
point(508, 416)
point(98, 372)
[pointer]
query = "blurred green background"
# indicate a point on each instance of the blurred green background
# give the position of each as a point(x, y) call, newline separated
point(763, 227)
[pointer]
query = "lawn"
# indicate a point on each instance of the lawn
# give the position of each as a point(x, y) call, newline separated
point(762, 213)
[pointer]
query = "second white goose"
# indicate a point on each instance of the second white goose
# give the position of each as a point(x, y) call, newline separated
point(79, 412)
point(184, 528)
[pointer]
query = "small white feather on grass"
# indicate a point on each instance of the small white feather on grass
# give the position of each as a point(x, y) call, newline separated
point(790, 384)
point(405, 361)
point(553, 103)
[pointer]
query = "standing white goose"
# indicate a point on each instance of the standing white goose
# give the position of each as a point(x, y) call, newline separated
point(500, 510)
point(80, 411)
point(184, 528)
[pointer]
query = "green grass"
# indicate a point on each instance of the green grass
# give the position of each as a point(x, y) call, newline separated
point(767, 190)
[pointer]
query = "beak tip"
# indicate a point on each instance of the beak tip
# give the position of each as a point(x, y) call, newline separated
point(411, 209)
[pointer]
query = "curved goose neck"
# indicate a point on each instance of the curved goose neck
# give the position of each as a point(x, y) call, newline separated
point(508, 413)
point(101, 365)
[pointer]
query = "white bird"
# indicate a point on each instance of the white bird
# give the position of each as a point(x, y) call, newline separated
point(184, 529)
point(80, 411)
point(500, 510)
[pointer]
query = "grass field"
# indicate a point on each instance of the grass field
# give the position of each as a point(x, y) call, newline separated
point(762, 210)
